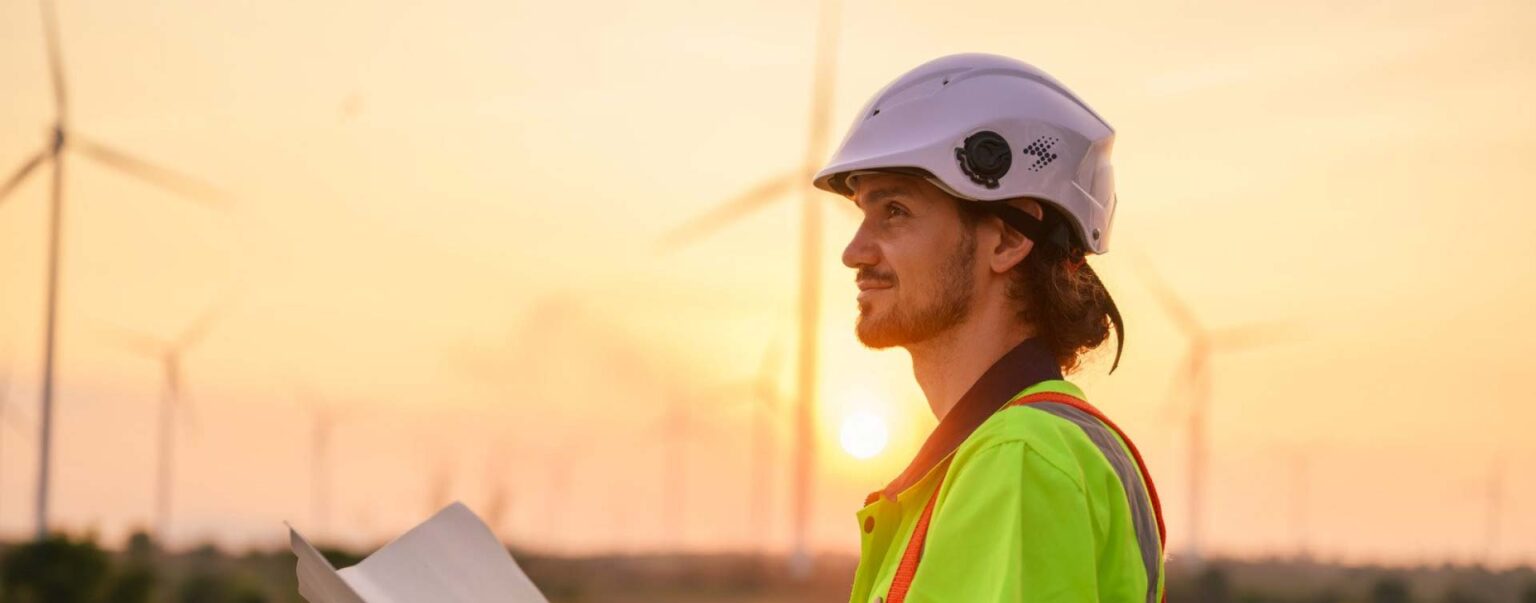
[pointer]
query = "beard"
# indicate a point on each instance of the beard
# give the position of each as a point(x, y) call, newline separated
point(903, 324)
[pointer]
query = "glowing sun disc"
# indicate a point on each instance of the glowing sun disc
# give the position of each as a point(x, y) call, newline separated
point(863, 434)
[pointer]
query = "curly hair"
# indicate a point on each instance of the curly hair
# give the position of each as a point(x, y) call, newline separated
point(1058, 293)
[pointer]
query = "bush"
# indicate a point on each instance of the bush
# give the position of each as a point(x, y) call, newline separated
point(133, 585)
point(1390, 590)
point(214, 588)
point(54, 570)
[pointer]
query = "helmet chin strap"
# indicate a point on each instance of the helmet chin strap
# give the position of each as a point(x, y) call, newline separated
point(1037, 230)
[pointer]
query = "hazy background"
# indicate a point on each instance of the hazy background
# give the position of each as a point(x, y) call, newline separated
point(444, 224)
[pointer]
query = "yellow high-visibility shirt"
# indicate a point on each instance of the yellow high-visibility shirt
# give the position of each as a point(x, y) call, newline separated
point(1037, 503)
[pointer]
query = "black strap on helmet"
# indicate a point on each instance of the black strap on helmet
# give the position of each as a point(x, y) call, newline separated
point(1055, 231)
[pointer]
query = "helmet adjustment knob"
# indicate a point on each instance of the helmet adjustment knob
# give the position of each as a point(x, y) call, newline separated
point(985, 157)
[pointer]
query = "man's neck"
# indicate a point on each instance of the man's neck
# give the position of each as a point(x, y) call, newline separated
point(947, 365)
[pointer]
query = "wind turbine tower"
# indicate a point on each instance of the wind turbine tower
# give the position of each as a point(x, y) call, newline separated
point(810, 271)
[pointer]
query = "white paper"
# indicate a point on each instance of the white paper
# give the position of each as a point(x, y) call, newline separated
point(451, 558)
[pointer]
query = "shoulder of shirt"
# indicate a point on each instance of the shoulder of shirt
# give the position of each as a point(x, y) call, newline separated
point(1045, 434)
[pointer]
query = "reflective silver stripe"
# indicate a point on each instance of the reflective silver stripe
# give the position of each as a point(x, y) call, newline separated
point(1142, 514)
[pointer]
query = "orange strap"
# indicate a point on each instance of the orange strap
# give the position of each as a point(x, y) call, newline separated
point(904, 572)
point(902, 582)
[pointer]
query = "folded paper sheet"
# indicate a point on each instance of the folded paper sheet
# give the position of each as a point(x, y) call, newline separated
point(451, 558)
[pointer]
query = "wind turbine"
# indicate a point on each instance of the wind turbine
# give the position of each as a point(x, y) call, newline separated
point(676, 429)
point(7, 414)
point(1300, 492)
point(327, 414)
point(765, 414)
point(810, 268)
point(1194, 374)
point(561, 461)
point(440, 484)
point(761, 396)
point(498, 500)
point(64, 137)
point(325, 419)
point(1493, 509)
point(169, 353)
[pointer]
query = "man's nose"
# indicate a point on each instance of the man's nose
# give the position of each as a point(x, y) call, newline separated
point(861, 250)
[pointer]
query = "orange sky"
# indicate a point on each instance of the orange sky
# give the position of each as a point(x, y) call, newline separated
point(465, 264)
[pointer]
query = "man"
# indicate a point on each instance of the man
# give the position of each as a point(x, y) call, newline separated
point(983, 183)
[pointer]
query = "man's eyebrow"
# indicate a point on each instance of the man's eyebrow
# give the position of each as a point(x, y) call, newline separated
point(880, 194)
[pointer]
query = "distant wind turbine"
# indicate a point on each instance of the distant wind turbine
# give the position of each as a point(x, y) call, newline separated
point(765, 426)
point(755, 199)
point(562, 461)
point(1300, 491)
point(1494, 509)
point(169, 353)
point(64, 137)
point(498, 500)
point(761, 396)
point(326, 417)
point(1195, 378)
point(440, 486)
point(676, 429)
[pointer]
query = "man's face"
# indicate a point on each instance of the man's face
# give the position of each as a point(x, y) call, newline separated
point(915, 259)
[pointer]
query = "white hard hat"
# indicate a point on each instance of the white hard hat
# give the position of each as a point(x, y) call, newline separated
point(986, 128)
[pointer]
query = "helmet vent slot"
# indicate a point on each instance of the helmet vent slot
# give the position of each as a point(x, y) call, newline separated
point(1041, 149)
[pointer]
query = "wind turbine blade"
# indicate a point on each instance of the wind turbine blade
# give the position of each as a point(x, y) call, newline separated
point(21, 173)
point(6, 408)
point(725, 213)
point(55, 61)
point(1180, 313)
point(134, 341)
point(200, 327)
point(1251, 336)
point(163, 177)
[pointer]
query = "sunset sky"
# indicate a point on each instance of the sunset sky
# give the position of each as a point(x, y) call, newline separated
point(443, 224)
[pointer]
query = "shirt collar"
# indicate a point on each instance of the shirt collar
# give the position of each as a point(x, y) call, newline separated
point(1026, 364)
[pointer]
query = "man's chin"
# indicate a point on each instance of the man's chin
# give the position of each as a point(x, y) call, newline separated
point(877, 333)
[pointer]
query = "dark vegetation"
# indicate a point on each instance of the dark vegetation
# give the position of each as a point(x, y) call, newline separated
point(65, 569)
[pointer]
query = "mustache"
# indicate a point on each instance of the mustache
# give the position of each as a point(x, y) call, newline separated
point(870, 274)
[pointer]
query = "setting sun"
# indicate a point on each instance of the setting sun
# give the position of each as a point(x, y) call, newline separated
point(863, 434)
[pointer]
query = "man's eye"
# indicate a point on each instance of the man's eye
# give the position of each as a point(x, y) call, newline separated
point(892, 210)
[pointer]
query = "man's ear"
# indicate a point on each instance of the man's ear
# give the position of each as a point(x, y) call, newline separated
point(1013, 246)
